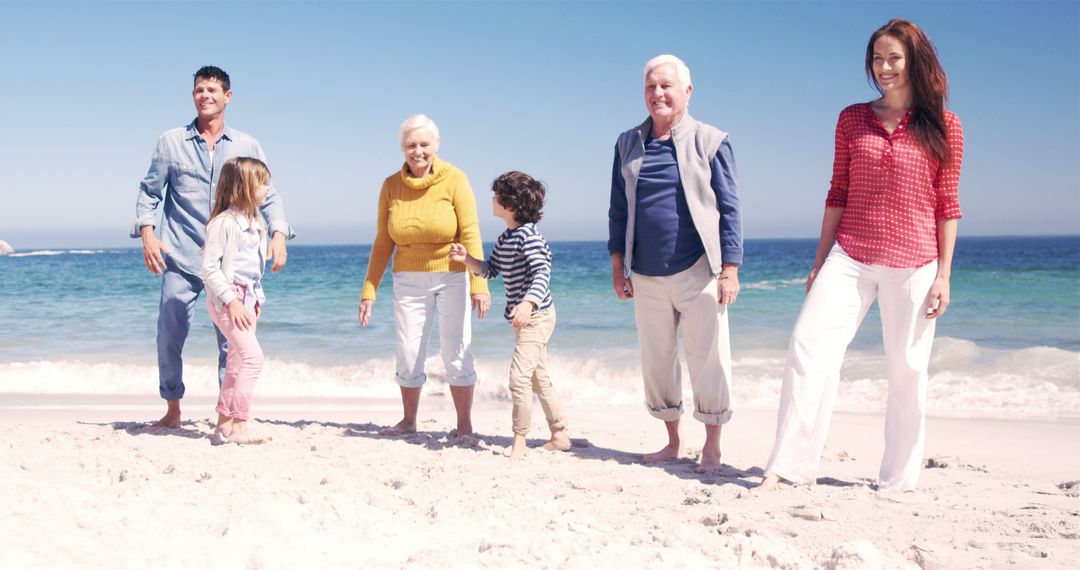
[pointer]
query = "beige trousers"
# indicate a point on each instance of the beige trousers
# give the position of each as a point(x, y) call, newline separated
point(686, 302)
point(529, 374)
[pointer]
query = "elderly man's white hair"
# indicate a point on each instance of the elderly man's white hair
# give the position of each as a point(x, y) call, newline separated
point(417, 122)
point(681, 71)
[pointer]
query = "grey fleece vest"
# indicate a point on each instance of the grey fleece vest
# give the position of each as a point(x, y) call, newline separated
point(695, 146)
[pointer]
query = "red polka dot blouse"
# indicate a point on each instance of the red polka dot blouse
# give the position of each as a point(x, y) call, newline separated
point(892, 192)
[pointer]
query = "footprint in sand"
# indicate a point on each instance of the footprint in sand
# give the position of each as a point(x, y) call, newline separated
point(1070, 488)
point(947, 462)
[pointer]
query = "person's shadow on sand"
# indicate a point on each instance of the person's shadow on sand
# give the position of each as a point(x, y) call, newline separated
point(582, 448)
point(188, 429)
point(683, 467)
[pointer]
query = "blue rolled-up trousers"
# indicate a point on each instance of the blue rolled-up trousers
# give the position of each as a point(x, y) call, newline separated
point(179, 291)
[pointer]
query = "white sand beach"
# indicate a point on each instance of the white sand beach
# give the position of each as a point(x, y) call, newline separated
point(86, 486)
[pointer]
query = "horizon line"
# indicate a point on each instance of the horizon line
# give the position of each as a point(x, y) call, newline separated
point(960, 237)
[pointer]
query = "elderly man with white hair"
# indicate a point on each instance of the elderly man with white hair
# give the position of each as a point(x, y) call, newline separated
point(675, 239)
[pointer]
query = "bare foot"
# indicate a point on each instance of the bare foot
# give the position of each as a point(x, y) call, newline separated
point(247, 438)
point(222, 431)
point(710, 461)
point(401, 428)
point(171, 419)
point(519, 448)
point(770, 482)
point(463, 397)
point(465, 440)
point(242, 435)
point(670, 451)
point(559, 441)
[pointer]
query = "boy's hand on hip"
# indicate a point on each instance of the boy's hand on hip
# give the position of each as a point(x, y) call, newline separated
point(521, 314)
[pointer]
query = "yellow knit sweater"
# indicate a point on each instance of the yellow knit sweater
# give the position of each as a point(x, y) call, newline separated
point(420, 218)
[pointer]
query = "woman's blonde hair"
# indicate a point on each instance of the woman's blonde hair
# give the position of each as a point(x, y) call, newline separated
point(240, 179)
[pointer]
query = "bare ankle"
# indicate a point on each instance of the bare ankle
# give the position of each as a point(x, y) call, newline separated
point(171, 419)
point(517, 451)
point(225, 425)
point(769, 482)
point(560, 441)
point(406, 425)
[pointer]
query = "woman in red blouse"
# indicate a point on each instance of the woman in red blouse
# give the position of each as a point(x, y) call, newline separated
point(888, 233)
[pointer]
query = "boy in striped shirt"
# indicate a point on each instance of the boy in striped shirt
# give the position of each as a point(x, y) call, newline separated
point(522, 257)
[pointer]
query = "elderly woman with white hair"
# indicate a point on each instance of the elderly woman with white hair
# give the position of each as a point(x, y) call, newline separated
point(423, 208)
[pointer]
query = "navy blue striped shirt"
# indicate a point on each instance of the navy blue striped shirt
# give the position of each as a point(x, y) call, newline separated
point(522, 257)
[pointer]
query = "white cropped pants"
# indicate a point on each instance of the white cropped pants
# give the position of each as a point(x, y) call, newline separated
point(418, 297)
point(835, 307)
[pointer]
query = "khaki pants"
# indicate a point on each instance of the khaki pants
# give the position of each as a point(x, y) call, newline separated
point(528, 373)
point(686, 301)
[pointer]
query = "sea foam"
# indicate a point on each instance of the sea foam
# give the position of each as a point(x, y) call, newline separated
point(49, 252)
point(966, 381)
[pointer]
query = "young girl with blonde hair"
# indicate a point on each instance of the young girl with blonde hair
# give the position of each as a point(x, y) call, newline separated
point(233, 260)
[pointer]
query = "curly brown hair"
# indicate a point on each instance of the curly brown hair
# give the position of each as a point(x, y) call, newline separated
point(522, 194)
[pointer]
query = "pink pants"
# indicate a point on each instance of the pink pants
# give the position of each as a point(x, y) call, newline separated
point(242, 365)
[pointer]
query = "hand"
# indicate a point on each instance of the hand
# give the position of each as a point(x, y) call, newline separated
point(239, 316)
point(624, 288)
point(521, 314)
point(458, 253)
point(278, 251)
point(152, 250)
point(364, 314)
point(727, 285)
point(938, 298)
point(810, 278)
point(481, 303)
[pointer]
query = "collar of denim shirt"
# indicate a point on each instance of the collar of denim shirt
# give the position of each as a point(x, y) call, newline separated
point(193, 131)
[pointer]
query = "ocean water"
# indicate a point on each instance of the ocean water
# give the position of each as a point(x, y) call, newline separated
point(84, 321)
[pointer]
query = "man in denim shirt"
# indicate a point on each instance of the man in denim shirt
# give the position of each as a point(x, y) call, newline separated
point(183, 174)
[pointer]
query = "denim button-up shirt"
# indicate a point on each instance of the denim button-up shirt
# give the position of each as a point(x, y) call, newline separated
point(182, 164)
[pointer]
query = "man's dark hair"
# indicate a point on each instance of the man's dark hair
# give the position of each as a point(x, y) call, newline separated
point(522, 194)
point(211, 72)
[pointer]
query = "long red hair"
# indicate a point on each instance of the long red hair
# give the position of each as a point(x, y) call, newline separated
point(929, 85)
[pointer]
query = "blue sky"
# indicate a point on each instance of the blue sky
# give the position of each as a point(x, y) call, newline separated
point(539, 87)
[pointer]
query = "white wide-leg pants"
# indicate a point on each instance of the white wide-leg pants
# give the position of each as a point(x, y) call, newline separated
point(835, 307)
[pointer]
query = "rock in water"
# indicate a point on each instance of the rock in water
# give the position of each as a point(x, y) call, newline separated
point(5, 248)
